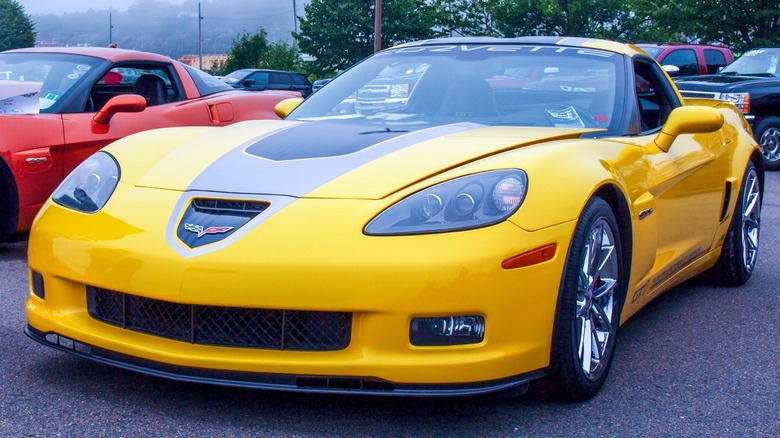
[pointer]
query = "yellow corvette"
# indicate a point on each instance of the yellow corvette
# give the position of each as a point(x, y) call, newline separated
point(447, 217)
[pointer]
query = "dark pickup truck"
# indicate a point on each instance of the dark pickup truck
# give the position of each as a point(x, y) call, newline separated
point(752, 83)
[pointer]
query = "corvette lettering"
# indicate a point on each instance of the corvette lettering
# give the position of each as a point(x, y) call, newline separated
point(200, 231)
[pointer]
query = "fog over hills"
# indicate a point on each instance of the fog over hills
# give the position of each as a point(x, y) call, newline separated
point(166, 27)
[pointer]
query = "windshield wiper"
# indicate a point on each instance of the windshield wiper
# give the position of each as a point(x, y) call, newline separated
point(385, 131)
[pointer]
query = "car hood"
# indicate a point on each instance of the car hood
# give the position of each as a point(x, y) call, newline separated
point(718, 82)
point(313, 159)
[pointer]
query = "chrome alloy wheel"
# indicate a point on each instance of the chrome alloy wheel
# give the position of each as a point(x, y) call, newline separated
point(751, 219)
point(598, 278)
point(770, 144)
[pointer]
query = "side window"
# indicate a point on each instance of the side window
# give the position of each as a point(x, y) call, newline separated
point(685, 59)
point(655, 96)
point(280, 79)
point(714, 59)
point(153, 82)
point(260, 78)
point(300, 80)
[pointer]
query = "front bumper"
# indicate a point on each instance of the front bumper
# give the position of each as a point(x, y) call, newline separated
point(384, 282)
point(277, 382)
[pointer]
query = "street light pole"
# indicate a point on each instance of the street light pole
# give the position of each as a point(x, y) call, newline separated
point(200, 39)
point(110, 29)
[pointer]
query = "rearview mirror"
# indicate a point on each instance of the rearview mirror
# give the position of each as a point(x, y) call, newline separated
point(688, 120)
point(286, 106)
point(124, 103)
point(671, 70)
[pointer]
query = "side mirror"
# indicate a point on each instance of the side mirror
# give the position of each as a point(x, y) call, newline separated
point(248, 83)
point(688, 120)
point(286, 106)
point(671, 70)
point(124, 103)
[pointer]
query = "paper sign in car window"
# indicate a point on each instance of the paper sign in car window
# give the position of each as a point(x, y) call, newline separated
point(19, 97)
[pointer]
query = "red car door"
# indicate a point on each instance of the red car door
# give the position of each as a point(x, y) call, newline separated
point(83, 137)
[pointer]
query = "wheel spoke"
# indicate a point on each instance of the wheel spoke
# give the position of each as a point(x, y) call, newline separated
point(603, 318)
point(586, 345)
point(606, 287)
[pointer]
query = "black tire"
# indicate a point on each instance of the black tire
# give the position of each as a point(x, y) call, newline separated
point(768, 136)
point(8, 204)
point(740, 248)
point(589, 302)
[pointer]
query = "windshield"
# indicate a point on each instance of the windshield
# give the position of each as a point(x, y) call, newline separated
point(759, 62)
point(236, 76)
point(487, 84)
point(34, 82)
point(206, 83)
point(653, 51)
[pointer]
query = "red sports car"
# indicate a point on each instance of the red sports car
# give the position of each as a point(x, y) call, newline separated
point(59, 105)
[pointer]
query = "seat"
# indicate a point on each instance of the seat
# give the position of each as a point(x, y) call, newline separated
point(468, 97)
point(152, 88)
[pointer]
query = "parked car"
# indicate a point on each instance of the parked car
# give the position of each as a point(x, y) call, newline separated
point(472, 240)
point(752, 83)
point(60, 105)
point(689, 59)
point(259, 80)
point(319, 83)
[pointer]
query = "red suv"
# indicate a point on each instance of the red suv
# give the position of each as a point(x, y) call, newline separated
point(690, 59)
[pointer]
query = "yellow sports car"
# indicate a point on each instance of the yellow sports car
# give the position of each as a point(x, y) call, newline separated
point(447, 217)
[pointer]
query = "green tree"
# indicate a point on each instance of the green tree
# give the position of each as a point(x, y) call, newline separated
point(281, 56)
point(576, 18)
point(248, 51)
point(740, 24)
point(338, 33)
point(467, 17)
point(17, 27)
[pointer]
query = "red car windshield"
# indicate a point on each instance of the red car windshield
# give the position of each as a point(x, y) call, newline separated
point(34, 82)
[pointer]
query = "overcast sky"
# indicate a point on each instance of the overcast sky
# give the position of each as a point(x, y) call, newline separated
point(33, 7)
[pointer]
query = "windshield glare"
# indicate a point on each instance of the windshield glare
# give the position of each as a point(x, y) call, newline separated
point(488, 84)
point(762, 62)
point(35, 82)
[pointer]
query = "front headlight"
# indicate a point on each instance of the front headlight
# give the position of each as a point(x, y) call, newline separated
point(89, 186)
point(463, 203)
point(740, 100)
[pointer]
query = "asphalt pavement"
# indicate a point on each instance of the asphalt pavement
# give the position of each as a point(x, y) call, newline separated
point(698, 361)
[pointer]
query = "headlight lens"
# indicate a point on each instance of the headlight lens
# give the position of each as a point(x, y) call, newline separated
point(740, 100)
point(90, 185)
point(463, 203)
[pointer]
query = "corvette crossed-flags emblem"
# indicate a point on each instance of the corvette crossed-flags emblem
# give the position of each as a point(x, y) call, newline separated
point(200, 231)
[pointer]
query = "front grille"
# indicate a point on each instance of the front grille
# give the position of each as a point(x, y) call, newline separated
point(223, 326)
point(700, 94)
point(225, 206)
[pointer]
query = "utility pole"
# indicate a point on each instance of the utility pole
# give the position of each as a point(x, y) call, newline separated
point(200, 39)
point(110, 29)
point(378, 26)
point(295, 17)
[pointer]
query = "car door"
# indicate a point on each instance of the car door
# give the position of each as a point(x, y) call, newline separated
point(83, 136)
point(689, 180)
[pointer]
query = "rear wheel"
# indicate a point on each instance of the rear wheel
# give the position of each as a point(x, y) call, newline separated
point(589, 303)
point(768, 136)
point(740, 248)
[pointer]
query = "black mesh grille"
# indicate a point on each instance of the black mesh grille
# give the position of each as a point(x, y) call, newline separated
point(224, 326)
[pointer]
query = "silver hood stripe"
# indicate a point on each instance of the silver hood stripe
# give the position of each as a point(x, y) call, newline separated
point(241, 172)
point(280, 182)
